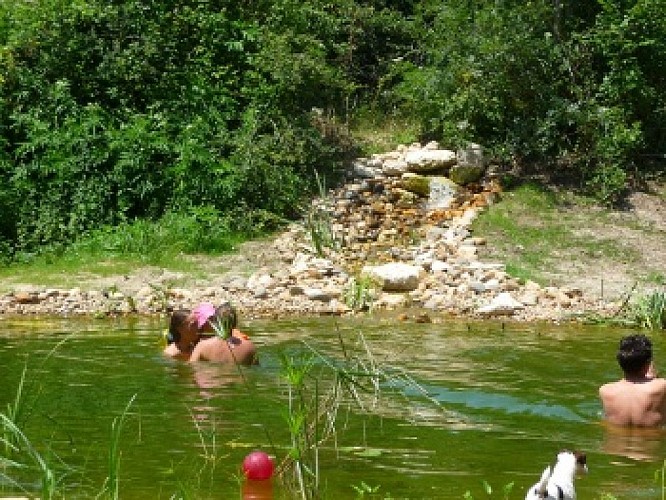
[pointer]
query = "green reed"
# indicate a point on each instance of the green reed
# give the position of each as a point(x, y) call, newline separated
point(14, 415)
point(318, 222)
point(649, 310)
point(111, 488)
point(363, 489)
point(20, 443)
point(16, 443)
point(488, 490)
point(360, 293)
point(318, 389)
point(660, 476)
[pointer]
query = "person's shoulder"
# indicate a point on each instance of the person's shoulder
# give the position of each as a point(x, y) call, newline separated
point(246, 343)
point(212, 339)
point(610, 388)
point(201, 349)
point(608, 385)
point(171, 350)
point(205, 343)
point(659, 383)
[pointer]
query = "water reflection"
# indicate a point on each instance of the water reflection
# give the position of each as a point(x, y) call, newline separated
point(258, 490)
point(634, 442)
point(506, 403)
point(215, 381)
point(212, 376)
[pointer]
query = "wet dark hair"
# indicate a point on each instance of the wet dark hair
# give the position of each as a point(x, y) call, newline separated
point(634, 354)
point(224, 320)
point(178, 319)
point(226, 311)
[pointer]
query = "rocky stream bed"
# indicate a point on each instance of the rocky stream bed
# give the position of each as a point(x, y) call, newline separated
point(396, 236)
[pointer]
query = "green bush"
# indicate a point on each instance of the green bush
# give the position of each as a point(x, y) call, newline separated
point(117, 111)
point(125, 111)
point(574, 90)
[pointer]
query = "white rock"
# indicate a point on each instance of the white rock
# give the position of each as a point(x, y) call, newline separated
point(317, 294)
point(427, 160)
point(395, 276)
point(260, 281)
point(502, 305)
point(440, 266)
point(391, 300)
point(394, 167)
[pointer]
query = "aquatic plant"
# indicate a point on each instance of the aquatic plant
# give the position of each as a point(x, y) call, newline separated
point(649, 311)
point(354, 382)
point(13, 415)
point(17, 411)
point(359, 294)
point(19, 442)
point(364, 489)
point(488, 489)
point(112, 482)
point(660, 476)
point(222, 325)
point(302, 453)
point(208, 441)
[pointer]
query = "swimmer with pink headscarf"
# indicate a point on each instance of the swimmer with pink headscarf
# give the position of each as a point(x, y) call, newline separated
point(208, 333)
point(202, 314)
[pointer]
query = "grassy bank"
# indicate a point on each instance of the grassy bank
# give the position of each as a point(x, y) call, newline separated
point(182, 243)
point(556, 237)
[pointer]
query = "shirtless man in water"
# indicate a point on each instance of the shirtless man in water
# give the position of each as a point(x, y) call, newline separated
point(638, 399)
point(228, 344)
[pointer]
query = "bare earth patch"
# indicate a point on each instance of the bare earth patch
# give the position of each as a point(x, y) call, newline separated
point(629, 255)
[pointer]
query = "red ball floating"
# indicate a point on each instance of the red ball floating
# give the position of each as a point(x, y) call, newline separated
point(258, 466)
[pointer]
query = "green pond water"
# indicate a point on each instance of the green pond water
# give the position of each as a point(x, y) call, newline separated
point(489, 402)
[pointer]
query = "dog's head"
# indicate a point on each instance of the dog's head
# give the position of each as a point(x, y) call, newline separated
point(577, 460)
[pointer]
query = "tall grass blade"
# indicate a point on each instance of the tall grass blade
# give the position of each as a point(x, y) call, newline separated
point(649, 311)
point(111, 486)
point(48, 480)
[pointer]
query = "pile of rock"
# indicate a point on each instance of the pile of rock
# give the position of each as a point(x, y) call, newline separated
point(398, 232)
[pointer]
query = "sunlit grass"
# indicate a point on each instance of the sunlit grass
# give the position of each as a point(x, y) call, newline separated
point(378, 134)
point(533, 228)
point(172, 243)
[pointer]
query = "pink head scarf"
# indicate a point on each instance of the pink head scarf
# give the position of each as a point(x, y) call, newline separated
point(203, 312)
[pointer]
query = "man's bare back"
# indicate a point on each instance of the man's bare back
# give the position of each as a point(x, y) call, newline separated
point(639, 398)
point(635, 403)
point(235, 349)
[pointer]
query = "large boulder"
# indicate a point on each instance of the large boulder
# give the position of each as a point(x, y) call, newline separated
point(466, 174)
point(395, 276)
point(470, 165)
point(471, 156)
point(429, 160)
point(502, 305)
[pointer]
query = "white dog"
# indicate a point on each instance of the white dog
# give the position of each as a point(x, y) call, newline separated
point(558, 483)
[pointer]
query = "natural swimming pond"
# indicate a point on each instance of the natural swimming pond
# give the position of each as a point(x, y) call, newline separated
point(488, 402)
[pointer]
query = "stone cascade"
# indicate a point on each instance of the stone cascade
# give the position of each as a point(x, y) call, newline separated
point(402, 220)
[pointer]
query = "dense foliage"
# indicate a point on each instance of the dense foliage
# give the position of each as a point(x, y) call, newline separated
point(575, 88)
point(118, 111)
